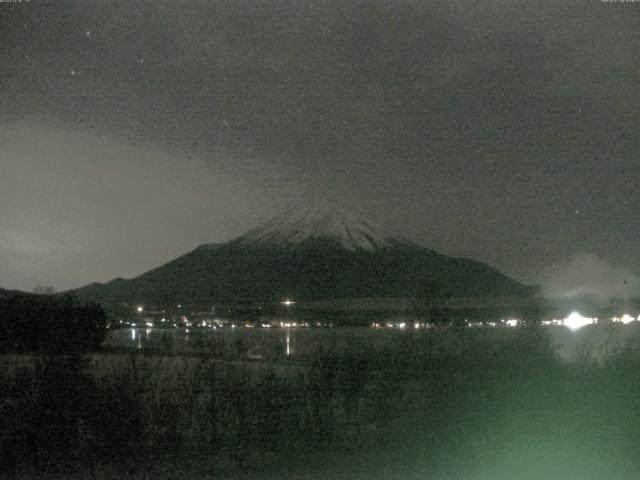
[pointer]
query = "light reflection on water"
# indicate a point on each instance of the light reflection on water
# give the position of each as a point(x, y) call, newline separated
point(289, 342)
point(138, 338)
point(253, 343)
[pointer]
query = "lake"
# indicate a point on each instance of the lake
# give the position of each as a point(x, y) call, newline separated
point(592, 342)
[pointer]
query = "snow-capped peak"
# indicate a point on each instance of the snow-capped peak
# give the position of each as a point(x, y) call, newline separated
point(322, 221)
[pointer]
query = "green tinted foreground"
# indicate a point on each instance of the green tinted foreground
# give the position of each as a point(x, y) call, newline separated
point(500, 407)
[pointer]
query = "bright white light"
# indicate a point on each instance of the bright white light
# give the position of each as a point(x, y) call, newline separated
point(140, 309)
point(576, 321)
point(402, 325)
point(626, 318)
point(512, 322)
point(288, 302)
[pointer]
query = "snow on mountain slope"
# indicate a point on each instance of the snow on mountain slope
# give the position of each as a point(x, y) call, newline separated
point(322, 221)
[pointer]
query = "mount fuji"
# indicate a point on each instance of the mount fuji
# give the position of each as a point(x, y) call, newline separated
point(320, 253)
point(322, 221)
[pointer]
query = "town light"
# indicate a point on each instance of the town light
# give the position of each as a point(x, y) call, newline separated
point(576, 321)
point(624, 319)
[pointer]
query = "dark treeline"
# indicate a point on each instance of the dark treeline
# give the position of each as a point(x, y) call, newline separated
point(50, 324)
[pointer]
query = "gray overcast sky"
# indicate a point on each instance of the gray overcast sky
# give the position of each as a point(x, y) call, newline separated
point(505, 130)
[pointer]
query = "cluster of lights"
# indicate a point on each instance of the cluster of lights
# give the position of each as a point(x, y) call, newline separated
point(624, 319)
point(400, 325)
point(184, 322)
point(512, 322)
point(552, 323)
point(573, 321)
point(290, 324)
point(576, 321)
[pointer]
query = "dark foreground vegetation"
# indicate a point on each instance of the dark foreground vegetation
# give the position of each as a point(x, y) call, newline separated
point(495, 407)
point(50, 324)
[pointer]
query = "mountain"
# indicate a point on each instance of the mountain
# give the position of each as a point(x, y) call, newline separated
point(321, 253)
point(326, 221)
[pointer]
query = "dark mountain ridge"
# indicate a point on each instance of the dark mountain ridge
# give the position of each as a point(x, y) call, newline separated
point(321, 254)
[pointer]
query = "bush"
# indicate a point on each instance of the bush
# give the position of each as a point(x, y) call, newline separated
point(50, 324)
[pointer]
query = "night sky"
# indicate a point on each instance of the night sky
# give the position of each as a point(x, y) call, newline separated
point(132, 131)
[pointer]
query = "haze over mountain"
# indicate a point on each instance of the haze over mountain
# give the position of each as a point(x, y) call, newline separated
point(320, 253)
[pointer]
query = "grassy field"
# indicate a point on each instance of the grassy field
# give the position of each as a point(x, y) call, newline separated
point(485, 407)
